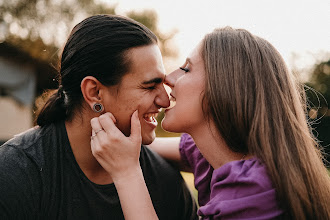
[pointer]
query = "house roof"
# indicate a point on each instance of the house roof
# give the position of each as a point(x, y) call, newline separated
point(45, 72)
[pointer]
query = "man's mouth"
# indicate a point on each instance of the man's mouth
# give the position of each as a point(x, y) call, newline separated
point(150, 117)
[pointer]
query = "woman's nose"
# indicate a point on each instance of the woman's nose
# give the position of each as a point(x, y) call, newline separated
point(171, 78)
point(162, 100)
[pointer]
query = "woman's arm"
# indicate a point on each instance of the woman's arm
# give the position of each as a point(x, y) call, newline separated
point(119, 156)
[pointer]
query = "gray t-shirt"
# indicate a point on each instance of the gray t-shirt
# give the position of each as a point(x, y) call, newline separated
point(40, 179)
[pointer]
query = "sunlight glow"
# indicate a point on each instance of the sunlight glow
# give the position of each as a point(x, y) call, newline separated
point(295, 26)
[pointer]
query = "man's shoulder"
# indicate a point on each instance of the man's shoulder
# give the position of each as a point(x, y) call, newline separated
point(20, 181)
point(24, 148)
point(25, 139)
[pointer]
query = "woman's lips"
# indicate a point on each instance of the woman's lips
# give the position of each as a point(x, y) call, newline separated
point(172, 103)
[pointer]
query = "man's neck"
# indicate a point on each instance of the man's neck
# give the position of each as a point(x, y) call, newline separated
point(79, 132)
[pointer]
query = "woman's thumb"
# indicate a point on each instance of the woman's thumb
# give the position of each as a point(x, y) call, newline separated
point(135, 127)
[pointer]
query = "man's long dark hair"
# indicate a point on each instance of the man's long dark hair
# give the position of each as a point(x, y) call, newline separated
point(96, 47)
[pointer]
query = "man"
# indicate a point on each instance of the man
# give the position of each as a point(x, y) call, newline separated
point(109, 64)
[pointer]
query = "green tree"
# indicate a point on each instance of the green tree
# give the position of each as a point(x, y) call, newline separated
point(40, 27)
point(319, 98)
point(320, 81)
point(150, 19)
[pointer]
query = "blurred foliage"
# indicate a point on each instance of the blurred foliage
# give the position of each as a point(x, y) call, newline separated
point(320, 81)
point(47, 20)
point(318, 94)
point(149, 18)
point(40, 27)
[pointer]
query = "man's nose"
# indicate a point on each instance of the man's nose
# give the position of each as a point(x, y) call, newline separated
point(162, 99)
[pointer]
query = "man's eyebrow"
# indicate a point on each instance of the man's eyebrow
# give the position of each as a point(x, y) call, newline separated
point(157, 80)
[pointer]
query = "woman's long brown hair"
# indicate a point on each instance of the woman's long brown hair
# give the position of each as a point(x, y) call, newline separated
point(260, 109)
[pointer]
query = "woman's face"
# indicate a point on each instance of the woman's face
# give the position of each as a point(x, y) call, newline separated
point(187, 83)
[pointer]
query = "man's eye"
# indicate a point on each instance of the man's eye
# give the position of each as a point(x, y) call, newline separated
point(184, 69)
point(151, 88)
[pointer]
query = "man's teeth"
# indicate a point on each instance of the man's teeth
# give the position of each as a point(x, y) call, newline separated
point(150, 116)
point(172, 103)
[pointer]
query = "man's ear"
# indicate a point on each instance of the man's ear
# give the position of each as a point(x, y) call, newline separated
point(90, 89)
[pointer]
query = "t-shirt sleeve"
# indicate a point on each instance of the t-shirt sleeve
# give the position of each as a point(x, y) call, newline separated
point(241, 190)
point(183, 147)
point(18, 190)
point(190, 154)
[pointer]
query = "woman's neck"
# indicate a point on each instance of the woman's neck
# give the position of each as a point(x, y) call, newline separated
point(213, 147)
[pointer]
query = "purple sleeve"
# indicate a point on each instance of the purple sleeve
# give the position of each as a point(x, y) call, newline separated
point(202, 170)
point(241, 190)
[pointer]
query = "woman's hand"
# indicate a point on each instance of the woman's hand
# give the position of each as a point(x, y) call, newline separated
point(117, 154)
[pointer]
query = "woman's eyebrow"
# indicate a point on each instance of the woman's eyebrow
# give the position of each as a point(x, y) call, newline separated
point(157, 80)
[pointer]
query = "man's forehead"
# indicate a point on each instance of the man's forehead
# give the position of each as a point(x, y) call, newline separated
point(146, 65)
point(149, 76)
point(144, 78)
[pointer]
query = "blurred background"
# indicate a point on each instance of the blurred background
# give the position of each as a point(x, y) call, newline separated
point(32, 33)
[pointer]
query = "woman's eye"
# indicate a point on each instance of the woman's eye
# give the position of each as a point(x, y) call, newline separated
point(184, 69)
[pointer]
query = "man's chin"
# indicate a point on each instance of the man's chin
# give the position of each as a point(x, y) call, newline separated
point(148, 139)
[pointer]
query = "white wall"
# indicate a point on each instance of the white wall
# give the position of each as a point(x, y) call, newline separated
point(14, 118)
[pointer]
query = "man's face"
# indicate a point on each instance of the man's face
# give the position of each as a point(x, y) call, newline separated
point(140, 89)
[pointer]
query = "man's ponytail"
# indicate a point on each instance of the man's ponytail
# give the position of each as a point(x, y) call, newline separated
point(54, 108)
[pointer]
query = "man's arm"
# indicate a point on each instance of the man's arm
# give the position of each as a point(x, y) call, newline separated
point(168, 148)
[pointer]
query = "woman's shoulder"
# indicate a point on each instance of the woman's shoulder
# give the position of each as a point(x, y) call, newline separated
point(250, 174)
point(242, 189)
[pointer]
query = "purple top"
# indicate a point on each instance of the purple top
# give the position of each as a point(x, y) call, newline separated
point(237, 190)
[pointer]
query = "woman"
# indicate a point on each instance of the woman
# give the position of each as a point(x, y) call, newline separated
point(256, 157)
point(109, 63)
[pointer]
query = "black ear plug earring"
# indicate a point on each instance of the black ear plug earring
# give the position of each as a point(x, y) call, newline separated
point(97, 107)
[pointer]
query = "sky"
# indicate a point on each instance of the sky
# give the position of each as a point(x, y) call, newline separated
point(300, 27)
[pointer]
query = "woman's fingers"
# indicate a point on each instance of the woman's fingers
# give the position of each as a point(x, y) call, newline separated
point(115, 152)
point(96, 126)
point(135, 128)
point(107, 121)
